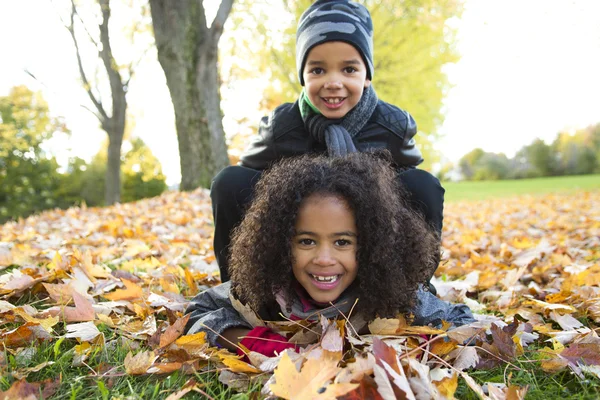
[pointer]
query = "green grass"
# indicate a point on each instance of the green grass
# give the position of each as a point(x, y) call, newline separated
point(542, 385)
point(78, 383)
point(481, 190)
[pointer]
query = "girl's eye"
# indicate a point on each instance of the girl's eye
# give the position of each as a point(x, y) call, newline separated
point(350, 70)
point(343, 242)
point(317, 71)
point(306, 242)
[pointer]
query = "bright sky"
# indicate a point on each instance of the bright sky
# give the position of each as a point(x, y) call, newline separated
point(529, 68)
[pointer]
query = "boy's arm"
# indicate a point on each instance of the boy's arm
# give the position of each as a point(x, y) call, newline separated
point(406, 153)
point(212, 312)
point(260, 154)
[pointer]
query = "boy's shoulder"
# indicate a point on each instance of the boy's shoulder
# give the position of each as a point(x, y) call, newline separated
point(392, 117)
point(282, 119)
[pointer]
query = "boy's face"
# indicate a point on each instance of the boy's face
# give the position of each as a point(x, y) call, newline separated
point(335, 76)
point(324, 247)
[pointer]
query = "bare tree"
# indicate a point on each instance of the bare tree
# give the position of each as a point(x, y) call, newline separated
point(111, 120)
point(187, 52)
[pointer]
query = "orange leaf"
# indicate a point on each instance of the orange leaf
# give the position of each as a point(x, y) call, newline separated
point(132, 292)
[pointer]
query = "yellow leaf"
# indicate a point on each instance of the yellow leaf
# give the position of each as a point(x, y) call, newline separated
point(139, 364)
point(312, 382)
point(236, 365)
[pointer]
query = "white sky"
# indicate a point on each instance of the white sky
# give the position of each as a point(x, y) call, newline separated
point(529, 68)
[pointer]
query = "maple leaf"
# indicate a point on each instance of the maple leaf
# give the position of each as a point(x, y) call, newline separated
point(83, 310)
point(311, 382)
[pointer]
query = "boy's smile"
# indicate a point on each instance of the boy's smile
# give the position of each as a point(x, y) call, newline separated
point(324, 247)
point(335, 76)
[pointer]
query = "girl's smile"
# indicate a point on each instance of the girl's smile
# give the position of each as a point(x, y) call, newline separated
point(324, 247)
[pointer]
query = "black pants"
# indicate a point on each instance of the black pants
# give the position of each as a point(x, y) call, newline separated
point(233, 189)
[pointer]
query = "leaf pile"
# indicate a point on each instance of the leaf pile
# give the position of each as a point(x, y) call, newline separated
point(529, 266)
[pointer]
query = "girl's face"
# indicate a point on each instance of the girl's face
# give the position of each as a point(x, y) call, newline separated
point(335, 76)
point(324, 247)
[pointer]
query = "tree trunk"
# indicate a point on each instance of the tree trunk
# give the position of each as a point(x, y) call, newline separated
point(112, 188)
point(187, 52)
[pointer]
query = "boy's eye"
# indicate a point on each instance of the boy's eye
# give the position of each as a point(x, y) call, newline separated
point(317, 71)
point(350, 70)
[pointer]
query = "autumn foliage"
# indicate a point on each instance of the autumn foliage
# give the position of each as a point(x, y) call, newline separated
point(528, 266)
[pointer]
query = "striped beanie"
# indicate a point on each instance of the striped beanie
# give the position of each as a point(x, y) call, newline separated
point(335, 20)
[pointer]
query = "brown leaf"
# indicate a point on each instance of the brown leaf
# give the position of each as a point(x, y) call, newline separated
point(367, 389)
point(174, 331)
point(24, 335)
point(383, 352)
point(21, 390)
point(582, 353)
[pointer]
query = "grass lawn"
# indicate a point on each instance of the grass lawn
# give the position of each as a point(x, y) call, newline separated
point(481, 190)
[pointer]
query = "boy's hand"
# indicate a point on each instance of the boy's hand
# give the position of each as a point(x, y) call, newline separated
point(264, 341)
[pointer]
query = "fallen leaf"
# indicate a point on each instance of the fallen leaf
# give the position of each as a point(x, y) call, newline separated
point(85, 331)
point(174, 331)
point(132, 292)
point(21, 390)
point(139, 364)
point(311, 382)
point(236, 365)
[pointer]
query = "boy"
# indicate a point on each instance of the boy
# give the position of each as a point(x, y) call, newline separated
point(337, 113)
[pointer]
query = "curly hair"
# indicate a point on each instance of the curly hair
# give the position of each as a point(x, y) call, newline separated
point(396, 252)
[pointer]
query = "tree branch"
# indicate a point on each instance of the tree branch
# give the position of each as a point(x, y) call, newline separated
point(114, 77)
point(103, 117)
point(216, 28)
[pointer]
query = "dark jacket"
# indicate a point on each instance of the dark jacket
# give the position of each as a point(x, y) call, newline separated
point(282, 134)
point(213, 312)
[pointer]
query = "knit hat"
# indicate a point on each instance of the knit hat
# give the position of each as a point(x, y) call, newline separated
point(335, 20)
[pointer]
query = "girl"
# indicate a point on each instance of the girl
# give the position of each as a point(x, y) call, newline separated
point(320, 232)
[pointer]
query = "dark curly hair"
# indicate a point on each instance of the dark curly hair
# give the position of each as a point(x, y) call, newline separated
point(396, 249)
